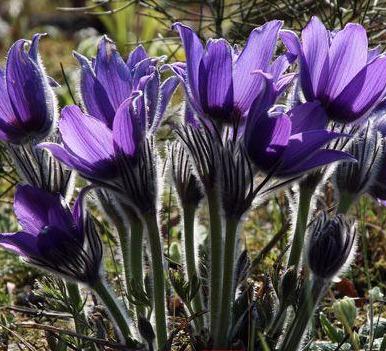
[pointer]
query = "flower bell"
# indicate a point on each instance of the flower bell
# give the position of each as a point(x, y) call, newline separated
point(53, 237)
point(219, 82)
point(27, 101)
point(337, 69)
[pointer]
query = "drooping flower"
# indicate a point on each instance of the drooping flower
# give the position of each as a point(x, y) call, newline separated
point(53, 237)
point(338, 69)
point(330, 245)
point(108, 81)
point(219, 82)
point(288, 144)
point(27, 102)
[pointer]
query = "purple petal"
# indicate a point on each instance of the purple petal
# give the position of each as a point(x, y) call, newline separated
point(194, 52)
point(123, 130)
point(29, 92)
point(291, 42)
point(348, 55)
point(21, 243)
point(279, 66)
point(85, 136)
point(374, 53)
point(168, 88)
point(315, 40)
point(34, 48)
point(308, 116)
point(93, 93)
point(112, 72)
point(78, 211)
point(256, 54)
point(318, 159)
point(267, 141)
point(31, 207)
point(216, 88)
point(151, 97)
point(362, 94)
point(137, 55)
point(302, 146)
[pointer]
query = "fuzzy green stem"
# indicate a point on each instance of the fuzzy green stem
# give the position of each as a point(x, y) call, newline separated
point(115, 310)
point(225, 320)
point(346, 200)
point(305, 196)
point(190, 260)
point(124, 242)
point(80, 320)
point(136, 252)
point(294, 334)
point(158, 277)
point(215, 236)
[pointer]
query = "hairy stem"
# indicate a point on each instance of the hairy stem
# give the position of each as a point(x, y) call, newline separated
point(116, 311)
point(190, 260)
point(225, 320)
point(158, 277)
point(80, 320)
point(298, 327)
point(305, 196)
point(215, 281)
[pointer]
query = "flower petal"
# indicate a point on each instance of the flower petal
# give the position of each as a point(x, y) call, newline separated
point(21, 243)
point(29, 91)
point(319, 158)
point(308, 116)
point(31, 207)
point(302, 146)
point(137, 55)
point(123, 130)
point(362, 94)
point(256, 54)
point(93, 93)
point(348, 55)
point(315, 40)
point(87, 137)
point(215, 81)
point(194, 52)
point(112, 72)
point(267, 141)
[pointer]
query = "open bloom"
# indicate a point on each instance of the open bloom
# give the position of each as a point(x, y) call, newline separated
point(108, 81)
point(288, 143)
point(27, 102)
point(338, 69)
point(219, 82)
point(53, 237)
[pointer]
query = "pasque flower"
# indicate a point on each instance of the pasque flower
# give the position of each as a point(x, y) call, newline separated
point(338, 70)
point(219, 82)
point(108, 81)
point(288, 143)
point(330, 245)
point(27, 102)
point(53, 237)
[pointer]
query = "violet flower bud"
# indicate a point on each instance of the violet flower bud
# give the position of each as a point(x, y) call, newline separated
point(27, 101)
point(330, 245)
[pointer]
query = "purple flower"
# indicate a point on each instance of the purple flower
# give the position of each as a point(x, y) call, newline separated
point(338, 70)
point(220, 83)
point(108, 81)
point(288, 143)
point(27, 102)
point(92, 148)
point(53, 237)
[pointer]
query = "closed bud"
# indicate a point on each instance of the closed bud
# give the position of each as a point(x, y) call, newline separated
point(353, 179)
point(330, 245)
